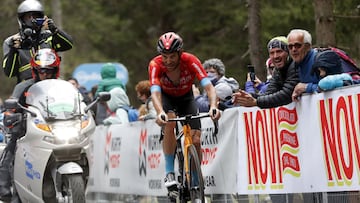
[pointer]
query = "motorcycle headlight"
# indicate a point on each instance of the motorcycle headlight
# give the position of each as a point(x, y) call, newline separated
point(65, 136)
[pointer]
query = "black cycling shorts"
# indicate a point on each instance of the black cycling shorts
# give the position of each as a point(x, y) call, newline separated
point(182, 106)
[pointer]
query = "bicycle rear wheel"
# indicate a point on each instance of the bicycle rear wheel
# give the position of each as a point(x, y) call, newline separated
point(196, 183)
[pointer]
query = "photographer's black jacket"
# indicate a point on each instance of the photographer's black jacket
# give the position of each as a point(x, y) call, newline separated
point(16, 62)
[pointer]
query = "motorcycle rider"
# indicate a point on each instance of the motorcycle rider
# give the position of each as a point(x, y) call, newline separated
point(44, 65)
point(36, 31)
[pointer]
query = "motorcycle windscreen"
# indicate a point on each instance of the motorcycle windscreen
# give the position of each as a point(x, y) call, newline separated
point(56, 99)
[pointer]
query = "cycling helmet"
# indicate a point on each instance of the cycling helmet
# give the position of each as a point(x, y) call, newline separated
point(169, 42)
point(28, 6)
point(43, 60)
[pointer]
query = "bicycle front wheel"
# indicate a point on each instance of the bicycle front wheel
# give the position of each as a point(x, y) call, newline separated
point(195, 179)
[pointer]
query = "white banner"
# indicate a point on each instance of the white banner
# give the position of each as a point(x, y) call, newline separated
point(310, 146)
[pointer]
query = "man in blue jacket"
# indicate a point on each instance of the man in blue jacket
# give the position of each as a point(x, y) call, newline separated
point(302, 53)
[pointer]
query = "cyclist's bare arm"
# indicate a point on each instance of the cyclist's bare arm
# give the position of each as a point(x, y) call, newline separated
point(211, 93)
point(156, 99)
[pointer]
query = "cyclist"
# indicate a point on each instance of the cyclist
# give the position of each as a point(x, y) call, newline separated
point(171, 76)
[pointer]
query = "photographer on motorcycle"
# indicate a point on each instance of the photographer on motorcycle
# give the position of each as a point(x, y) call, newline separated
point(36, 31)
point(44, 65)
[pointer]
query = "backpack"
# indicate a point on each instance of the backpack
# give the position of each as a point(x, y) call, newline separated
point(348, 64)
point(133, 114)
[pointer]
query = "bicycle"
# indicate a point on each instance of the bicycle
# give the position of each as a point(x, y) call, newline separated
point(191, 183)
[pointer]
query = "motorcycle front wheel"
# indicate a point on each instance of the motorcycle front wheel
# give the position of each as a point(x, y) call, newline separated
point(73, 188)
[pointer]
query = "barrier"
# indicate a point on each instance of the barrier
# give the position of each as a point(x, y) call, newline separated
point(308, 146)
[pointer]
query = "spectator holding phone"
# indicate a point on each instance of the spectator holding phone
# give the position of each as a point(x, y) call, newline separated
point(253, 84)
point(282, 83)
point(36, 31)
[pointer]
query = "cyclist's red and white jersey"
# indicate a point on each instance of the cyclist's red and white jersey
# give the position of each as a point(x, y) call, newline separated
point(190, 68)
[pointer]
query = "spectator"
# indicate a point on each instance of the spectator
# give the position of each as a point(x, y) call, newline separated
point(36, 31)
point(281, 84)
point(328, 66)
point(115, 111)
point(142, 89)
point(258, 86)
point(84, 93)
point(108, 82)
point(215, 70)
point(301, 51)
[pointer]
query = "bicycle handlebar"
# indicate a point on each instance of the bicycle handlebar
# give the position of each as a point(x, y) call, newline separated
point(191, 117)
point(187, 118)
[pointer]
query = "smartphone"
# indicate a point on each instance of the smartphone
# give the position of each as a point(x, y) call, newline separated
point(251, 69)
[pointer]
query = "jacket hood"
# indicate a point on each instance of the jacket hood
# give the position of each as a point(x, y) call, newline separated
point(118, 99)
point(329, 61)
point(108, 70)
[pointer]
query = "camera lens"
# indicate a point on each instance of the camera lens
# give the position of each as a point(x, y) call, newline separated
point(39, 21)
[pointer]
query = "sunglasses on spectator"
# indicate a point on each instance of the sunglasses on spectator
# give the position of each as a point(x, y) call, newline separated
point(46, 70)
point(296, 45)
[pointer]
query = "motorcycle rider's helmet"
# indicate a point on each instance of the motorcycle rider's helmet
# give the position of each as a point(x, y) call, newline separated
point(45, 60)
point(35, 8)
point(169, 42)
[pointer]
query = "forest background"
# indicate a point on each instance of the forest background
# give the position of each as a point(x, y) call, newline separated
point(236, 31)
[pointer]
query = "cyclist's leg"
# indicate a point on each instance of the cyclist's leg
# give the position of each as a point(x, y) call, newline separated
point(169, 145)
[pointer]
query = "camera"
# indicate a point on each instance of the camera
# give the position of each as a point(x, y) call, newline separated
point(251, 69)
point(40, 21)
point(26, 40)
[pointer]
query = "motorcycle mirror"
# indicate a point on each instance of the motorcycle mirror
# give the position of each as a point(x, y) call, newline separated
point(104, 96)
point(11, 103)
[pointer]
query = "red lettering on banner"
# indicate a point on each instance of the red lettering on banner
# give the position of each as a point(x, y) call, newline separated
point(208, 155)
point(340, 137)
point(115, 160)
point(264, 144)
point(143, 139)
point(263, 147)
point(154, 160)
point(290, 161)
point(289, 138)
point(287, 115)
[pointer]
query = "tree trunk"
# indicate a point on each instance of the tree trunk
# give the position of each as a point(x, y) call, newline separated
point(325, 23)
point(255, 45)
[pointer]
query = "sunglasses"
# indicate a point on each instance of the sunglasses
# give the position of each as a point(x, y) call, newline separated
point(296, 45)
point(46, 70)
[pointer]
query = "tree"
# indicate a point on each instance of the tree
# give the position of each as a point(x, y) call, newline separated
point(325, 23)
point(254, 29)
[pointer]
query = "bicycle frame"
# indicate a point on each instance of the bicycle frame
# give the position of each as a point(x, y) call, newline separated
point(183, 157)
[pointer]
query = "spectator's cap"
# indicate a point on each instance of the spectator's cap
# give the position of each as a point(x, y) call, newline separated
point(215, 63)
point(278, 42)
point(223, 91)
point(329, 61)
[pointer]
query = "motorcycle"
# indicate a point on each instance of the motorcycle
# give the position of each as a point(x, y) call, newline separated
point(51, 163)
